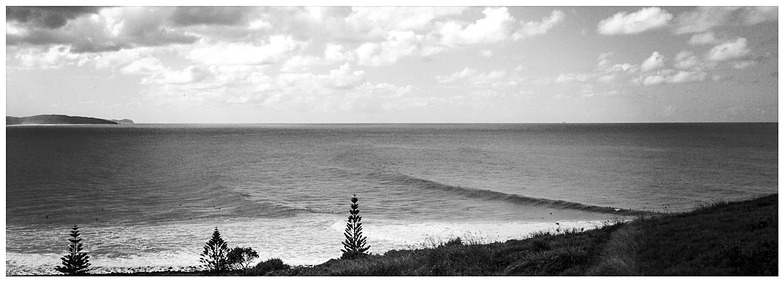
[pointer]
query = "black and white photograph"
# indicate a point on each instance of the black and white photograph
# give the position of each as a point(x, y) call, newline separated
point(391, 139)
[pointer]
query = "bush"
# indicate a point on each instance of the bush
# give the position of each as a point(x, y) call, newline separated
point(355, 244)
point(267, 266)
point(75, 262)
point(240, 258)
point(214, 255)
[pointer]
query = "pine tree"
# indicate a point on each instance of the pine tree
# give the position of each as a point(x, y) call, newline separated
point(75, 262)
point(355, 244)
point(215, 253)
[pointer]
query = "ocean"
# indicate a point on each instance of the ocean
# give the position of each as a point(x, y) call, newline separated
point(148, 196)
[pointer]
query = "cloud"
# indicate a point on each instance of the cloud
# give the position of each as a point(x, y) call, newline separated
point(111, 29)
point(225, 16)
point(743, 64)
point(756, 15)
point(729, 51)
point(47, 17)
point(377, 21)
point(344, 78)
point(191, 74)
point(147, 65)
point(54, 57)
point(465, 73)
point(276, 49)
point(686, 76)
point(686, 60)
point(299, 63)
point(493, 28)
point(653, 62)
point(703, 39)
point(335, 53)
point(603, 59)
point(530, 29)
point(398, 45)
point(487, 53)
point(633, 23)
point(672, 76)
point(705, 18)
point(653, 80)
point(572, 77)
point(472, 78)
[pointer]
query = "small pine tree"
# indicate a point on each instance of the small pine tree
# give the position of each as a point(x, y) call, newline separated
point(214, 256)
point(355, 244)
point(75, 262)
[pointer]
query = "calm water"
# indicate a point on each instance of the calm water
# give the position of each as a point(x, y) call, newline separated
point(150, 195)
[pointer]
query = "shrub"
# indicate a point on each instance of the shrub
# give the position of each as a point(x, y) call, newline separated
point(240, 258)
point(355, 244)
point(454, 242)
point(75, 262)
point(214, 255)
point(267, 266)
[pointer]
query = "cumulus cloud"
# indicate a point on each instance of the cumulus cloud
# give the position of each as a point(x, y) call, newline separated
point(705, 18)
point(54, 57)
point(111, 29)
point(530, 29)
point(729, 51)
point(633, 23)
point(276, 49)
point(344, 77)
point(653, 62)
point(380, 20)
point(299, 63)
point(47, 17)
point(493, 28)
point(398, 45)
point(335, 53)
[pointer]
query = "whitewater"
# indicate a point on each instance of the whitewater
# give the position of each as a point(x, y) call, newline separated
point(147, 197)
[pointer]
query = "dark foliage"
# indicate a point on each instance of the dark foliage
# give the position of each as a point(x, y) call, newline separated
point(355, 244)
point(240, 258)
point(268, 266)
point(75, 262)
point(214, 256)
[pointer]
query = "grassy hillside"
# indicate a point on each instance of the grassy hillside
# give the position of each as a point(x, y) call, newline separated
point(723, 239)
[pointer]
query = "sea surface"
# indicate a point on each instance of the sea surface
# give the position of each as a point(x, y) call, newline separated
point(148, 196)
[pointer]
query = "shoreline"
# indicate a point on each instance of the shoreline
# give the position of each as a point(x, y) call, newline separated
point(758, 216)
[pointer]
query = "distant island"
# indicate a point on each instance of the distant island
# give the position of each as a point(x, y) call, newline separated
point(61, 119)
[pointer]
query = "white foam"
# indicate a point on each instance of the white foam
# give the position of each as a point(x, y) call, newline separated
point(302, 240)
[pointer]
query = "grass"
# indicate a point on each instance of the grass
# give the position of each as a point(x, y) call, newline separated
point(739, 238)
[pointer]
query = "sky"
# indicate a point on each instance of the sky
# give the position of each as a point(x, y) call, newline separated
point(394, 64)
